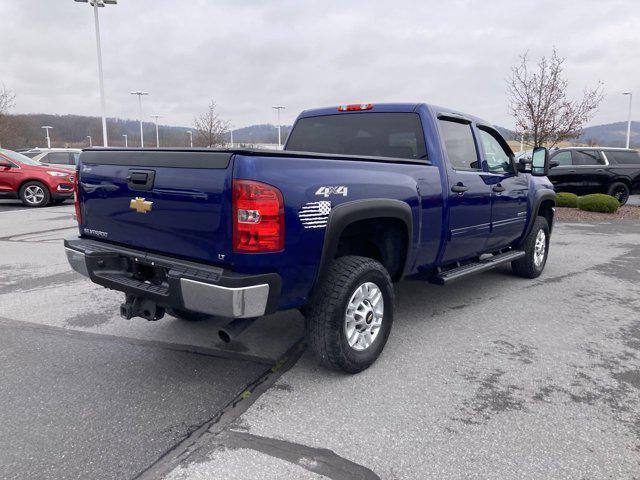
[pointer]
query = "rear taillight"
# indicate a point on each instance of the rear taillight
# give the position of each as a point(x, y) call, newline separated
point(258, 217)
point(76, 197)
point(355, 107)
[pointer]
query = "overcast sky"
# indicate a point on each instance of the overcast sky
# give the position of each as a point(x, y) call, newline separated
point(249, 55)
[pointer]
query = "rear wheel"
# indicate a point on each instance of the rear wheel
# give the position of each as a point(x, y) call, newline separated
point(350, 315)
point(35, 194)
point(620, 191)
point(536, 247)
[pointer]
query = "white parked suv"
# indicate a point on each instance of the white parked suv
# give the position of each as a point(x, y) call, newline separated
point(60, 157)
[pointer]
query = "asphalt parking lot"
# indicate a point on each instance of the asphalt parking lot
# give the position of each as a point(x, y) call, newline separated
point(491, 377)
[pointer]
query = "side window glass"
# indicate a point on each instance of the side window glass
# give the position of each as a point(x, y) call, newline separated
point(58, 158)
point(460, 145)
point(587, 157)
point(563, 158)
point(497, 158)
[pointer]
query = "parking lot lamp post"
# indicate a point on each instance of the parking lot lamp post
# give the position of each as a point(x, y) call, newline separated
point(126, 143)
point(47, 128)
point(190, 133)
point(90, 142)
point(231, 135)
point(156, 117)
point(95, 4)
point(140, 94)
point(629, 118)
point(278, 108)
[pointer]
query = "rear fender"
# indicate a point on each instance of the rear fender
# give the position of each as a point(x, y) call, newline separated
point(347, 213)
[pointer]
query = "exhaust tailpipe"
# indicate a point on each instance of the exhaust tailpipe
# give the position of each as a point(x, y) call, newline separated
point(234, 329)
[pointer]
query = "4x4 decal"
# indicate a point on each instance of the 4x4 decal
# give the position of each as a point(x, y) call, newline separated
point(338, 190)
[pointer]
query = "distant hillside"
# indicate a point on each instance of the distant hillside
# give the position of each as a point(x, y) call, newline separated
point(24, 131)
point(611, 135)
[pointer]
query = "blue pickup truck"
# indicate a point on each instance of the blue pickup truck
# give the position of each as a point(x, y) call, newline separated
point(360, 197)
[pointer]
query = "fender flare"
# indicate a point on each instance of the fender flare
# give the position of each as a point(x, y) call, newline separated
point(540, 196)
point(347, 213)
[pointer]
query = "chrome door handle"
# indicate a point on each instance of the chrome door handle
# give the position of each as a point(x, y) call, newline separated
point(498, 188)
point(459, 188)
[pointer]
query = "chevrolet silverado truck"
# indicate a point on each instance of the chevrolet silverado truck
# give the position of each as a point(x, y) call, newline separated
point(360, 197)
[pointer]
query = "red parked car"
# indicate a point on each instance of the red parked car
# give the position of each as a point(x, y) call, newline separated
point(37, 185)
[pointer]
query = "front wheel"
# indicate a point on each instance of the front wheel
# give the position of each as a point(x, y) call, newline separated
point(350, 314)
point(35, 194)
point(536, 248)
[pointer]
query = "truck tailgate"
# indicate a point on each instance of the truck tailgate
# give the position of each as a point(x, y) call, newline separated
point(173, 202)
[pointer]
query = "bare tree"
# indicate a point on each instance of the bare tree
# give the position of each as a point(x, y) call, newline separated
point(211, 130)
point(540, 103)
point(7, 101)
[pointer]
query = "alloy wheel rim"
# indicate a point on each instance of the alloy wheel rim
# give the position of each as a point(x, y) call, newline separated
point(34, 194)
point(540, 248)
point(363, 316)
point(620, 194)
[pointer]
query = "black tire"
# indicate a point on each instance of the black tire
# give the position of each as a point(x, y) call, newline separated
point(188, 316)
point(526, 266)
point(28, 197)
point(326, 311)
point(620, 191)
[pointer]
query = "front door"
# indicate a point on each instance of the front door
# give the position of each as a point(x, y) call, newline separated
point(8, 177)
point(469, 196)
point(508, 190)
point(563, 176)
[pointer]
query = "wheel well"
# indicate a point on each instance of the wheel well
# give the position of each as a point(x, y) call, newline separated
point(383, 239)
point(546, 210)
point(626, 181)
point(32, 180)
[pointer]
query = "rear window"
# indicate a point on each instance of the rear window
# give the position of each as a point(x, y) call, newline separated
point(623, 157)
point(395, 135)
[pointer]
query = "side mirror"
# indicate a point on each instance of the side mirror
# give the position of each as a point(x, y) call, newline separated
point(553, 164)
point(540, 162)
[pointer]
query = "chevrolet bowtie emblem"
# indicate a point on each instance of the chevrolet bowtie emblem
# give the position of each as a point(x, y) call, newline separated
point(140, 205)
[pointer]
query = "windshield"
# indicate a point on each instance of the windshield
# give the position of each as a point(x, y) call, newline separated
point(396, 135)
point(20, 158)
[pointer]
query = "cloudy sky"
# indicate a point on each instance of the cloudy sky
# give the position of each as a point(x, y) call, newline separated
point(249, 55)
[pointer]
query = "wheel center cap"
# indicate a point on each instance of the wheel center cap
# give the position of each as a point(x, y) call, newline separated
point(369, 317)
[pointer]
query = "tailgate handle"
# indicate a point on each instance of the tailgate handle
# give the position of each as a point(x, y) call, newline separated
point(141, 180)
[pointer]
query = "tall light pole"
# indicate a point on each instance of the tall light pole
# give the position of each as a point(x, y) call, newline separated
point(278, 108)
point(95, 4)
point(231, 135)
point(90, 142)
point(156, 117)
point(140, 93)
point(47, 128)
point(629, 117)
point(190, 133)
point(126, 143)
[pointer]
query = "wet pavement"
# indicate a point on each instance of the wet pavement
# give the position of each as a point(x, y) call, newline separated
point(491, 377)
